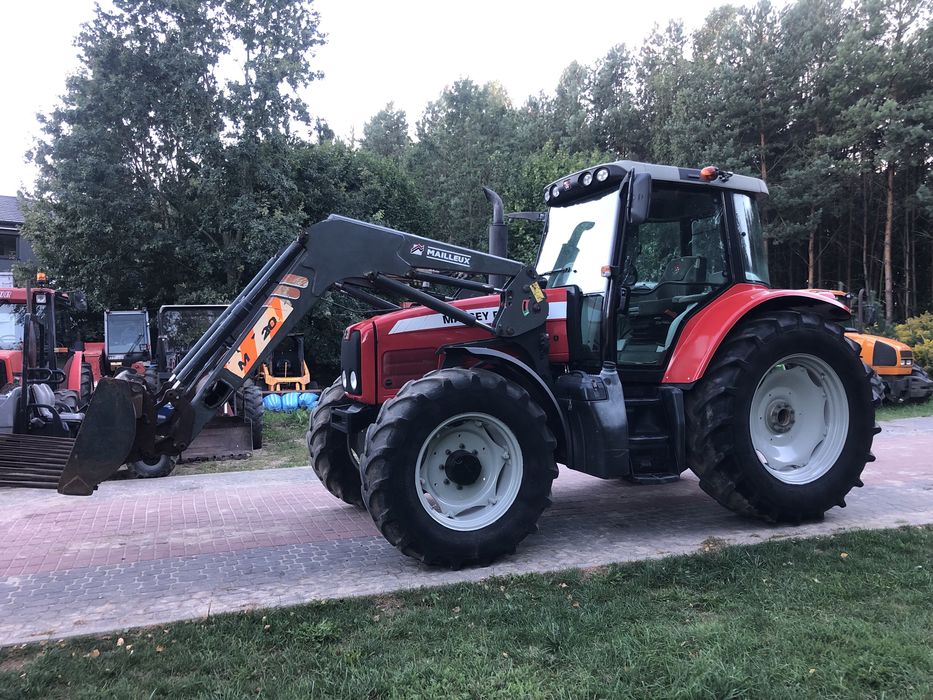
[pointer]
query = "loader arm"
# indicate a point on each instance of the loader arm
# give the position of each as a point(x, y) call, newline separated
point(357, 258)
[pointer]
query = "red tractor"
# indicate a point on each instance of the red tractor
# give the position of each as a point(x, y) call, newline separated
point(56, 343)
point(645, 341)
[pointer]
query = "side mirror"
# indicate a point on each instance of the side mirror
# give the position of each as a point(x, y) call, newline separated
point(639, 199)
point(78, 300)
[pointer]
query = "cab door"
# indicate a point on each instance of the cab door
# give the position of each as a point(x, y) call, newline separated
point(672, 263)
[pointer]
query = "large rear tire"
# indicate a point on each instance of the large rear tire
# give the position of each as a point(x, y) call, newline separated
point(780, 426)
point(253, 410)
point(458, 467)
point(336, 465)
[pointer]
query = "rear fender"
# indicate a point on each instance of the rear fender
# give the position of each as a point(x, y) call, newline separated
point(72, 370)
point(705, 331)
point(517, 371)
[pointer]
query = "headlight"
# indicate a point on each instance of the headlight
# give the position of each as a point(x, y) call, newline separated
point(555, 192)
point(343, 380)
point(587, 179)
point(351, 363)
point(602, 175)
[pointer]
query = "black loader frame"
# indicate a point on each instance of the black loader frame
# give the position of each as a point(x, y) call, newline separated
point(353, 257)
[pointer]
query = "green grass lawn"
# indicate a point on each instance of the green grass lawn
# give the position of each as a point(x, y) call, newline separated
point(891, 411)
point(845, 616)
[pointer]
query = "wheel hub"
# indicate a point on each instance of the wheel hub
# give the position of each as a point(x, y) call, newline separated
point(463, 468)
point(469, 471)
point(799, 418)
point(781, 417)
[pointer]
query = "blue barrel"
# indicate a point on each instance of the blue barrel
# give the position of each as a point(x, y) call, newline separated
point(307, 400)
point(272, 402)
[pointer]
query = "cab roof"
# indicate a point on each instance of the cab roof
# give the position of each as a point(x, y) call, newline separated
point(606, 176)
point(672, 173)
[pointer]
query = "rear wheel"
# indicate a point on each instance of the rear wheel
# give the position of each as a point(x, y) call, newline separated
point(152, 468)
point(151, 378)
point(87, 382)
point(334, 458)
point(781, 425)
point(458, 467)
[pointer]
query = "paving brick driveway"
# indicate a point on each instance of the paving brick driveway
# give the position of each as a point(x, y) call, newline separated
point(151, 552)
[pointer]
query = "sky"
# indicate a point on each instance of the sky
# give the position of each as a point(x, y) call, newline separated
point(377, 51)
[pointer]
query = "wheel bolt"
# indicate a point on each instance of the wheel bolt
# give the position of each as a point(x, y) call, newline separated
point(446, 482)
point(475, 452)
point(459, 487)
point(462, 446)
point(446, 452)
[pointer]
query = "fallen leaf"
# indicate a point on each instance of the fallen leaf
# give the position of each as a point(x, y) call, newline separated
point(94, 653)
point(265, 628)
point(159, 648)
point(812, 671)
point(576, 604)
point(505, 654)
point(120, 642)
point(843, 555)
point(456, 610)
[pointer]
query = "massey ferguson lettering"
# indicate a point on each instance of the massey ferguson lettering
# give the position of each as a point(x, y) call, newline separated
point(487, 316)
point(447, 256)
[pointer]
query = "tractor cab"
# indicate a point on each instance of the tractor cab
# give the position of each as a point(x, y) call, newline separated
point(180, 326)
point(126, 338)
point(55, 337)
point(648, 246)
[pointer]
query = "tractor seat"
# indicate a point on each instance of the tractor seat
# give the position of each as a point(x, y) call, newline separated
point(43, 398)
point(688, 270)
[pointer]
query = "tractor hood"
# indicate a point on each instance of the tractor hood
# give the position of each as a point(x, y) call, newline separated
point(386, 351)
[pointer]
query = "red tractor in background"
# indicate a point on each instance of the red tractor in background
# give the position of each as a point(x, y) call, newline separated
point(645, 341)
point(57, 344)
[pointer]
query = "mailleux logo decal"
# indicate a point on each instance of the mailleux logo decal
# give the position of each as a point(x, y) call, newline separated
point(447, 256)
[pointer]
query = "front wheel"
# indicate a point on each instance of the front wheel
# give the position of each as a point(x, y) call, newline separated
point(458, 467)
point(154, 468)
point(334, 458)
point(781, 425)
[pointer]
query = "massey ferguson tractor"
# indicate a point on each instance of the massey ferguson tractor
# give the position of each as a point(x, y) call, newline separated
point(644, 341)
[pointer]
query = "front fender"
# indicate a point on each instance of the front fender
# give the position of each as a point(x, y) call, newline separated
point(704, 332)
point(515, 370)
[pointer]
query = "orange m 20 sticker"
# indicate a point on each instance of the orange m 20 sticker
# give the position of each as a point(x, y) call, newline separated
point(274, 313)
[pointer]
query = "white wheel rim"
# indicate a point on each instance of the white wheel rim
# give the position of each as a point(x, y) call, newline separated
point(799, 419)
point(469, 471)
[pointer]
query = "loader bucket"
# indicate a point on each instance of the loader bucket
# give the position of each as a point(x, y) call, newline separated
point(224, 437)
point(104, 440)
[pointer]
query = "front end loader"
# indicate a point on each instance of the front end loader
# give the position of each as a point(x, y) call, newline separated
point(646, 340)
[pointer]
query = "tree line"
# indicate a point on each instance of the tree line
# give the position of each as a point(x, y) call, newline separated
point(181, 155)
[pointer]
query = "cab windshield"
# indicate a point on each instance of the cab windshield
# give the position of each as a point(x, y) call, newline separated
point(11, 326)
point(578, 243)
